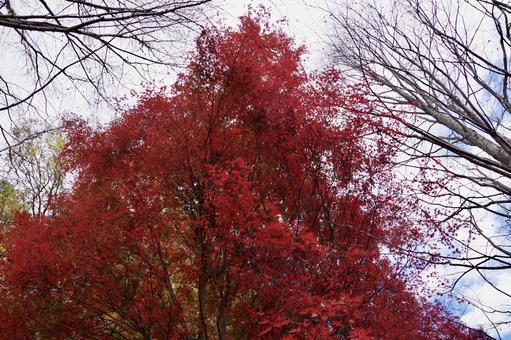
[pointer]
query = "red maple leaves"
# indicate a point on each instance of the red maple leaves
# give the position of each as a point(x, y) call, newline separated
point(250, 202)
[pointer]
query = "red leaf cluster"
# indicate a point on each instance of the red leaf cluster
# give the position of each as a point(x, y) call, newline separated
point(251, 202)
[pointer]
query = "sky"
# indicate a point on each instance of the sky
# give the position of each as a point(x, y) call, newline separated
point(306, 21)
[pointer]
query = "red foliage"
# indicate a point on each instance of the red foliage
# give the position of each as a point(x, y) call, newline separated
point(251, 202)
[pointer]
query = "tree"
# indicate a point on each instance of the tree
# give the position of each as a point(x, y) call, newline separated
point(32, 166)
point(10, 202)
point(75, 48)
point(251, 200)
point(442, 70)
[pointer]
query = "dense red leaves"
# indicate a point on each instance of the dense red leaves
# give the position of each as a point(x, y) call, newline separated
point(250, 202)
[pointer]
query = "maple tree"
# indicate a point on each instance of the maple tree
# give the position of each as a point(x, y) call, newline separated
point(252, 199)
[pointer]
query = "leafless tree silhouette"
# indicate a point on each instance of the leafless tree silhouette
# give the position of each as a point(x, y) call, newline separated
point(442, 68)
point(55, 49)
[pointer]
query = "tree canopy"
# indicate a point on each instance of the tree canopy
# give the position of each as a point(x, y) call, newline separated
point(251, 199)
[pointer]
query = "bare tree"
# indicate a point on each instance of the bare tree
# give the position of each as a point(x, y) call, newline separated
point(442, 68)
point(33, 168)
point(58, 50)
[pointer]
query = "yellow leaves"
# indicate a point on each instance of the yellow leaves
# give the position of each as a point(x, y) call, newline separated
point(10, 201)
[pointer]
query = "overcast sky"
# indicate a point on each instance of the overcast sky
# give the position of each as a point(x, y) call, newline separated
point(306, 20)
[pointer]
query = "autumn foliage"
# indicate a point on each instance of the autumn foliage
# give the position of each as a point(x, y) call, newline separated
point(249, 200)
